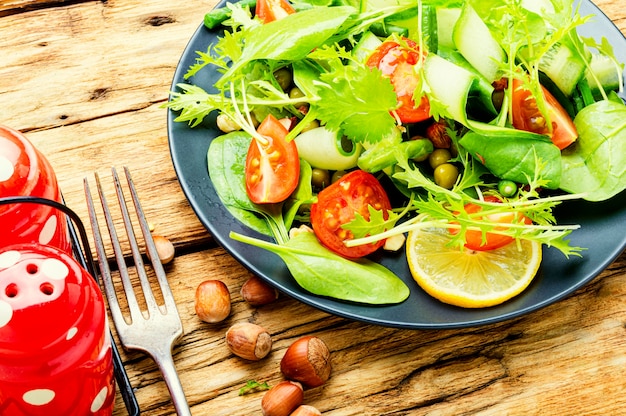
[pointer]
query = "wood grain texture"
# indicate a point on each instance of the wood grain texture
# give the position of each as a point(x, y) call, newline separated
point(86, 81)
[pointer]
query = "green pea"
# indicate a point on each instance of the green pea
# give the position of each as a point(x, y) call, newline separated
point(284, 78)
point(446, 175)
point(507, 188)
point(438, 157)
point(296, 92)
point(320, 178)
point(337, 175)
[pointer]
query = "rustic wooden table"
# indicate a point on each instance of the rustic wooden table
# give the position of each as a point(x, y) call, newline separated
point(86, 80)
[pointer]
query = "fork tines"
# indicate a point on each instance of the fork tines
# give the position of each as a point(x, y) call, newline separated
point(156, 330)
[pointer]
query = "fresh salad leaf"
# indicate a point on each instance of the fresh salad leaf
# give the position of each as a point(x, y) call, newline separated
point(596, 164)
point(324, 273)
point(226, 165)
point(516, 156)
point(288, 39)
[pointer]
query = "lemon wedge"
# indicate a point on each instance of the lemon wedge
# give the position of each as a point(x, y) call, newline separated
point(466, 278)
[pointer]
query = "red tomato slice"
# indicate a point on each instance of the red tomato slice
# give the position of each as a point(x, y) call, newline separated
point(270, 10)
point(273, 166)
point(400, 63)
point(526, 116)
point(474, 238)
point(338, 204)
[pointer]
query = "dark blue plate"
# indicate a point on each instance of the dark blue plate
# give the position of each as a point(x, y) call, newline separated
point(603, 225)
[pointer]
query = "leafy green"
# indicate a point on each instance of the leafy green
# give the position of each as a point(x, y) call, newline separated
point(253, 385)
point(226, 164)
point(288, 39)
point(324, 273)
point(356, 100)
point(517, 156)
point(596, 163)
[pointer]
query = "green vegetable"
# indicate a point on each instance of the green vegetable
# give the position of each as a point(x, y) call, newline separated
point(324, 273)
point(516, 156)
point(383, 154)
point(226, 164)
point(289, 39)
point(253, 385)
point(596, 163)
point(217, 16)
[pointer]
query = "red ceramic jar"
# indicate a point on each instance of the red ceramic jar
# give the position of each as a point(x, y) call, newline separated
point(55, 347)
point(24, 171)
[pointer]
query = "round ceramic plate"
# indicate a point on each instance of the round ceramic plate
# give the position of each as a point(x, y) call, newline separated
point(602, 232)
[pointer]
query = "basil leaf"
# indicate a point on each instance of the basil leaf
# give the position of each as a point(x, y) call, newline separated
point(324, 273)
point(594, 164)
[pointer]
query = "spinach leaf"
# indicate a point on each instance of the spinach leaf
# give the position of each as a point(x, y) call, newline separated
point(518, 156)
point(324, 273)
point(303, 194)
point(596, 163)
point(226, 170)
point(291, 38)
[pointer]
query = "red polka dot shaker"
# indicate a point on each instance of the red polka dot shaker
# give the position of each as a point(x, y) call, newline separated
point(24, 171)
point(55, 346)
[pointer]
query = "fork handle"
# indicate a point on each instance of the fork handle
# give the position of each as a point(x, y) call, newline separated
point(166, 364)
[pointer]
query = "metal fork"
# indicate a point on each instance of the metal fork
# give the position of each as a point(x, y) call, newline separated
point(156, 331)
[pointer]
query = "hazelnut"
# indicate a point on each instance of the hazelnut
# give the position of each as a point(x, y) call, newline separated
point(282, 399)
point(249, 341)
point(164, 248)
point(438, 134)
point(307, 360)
point(256, 292)
point(306, 410)
point(212, 301)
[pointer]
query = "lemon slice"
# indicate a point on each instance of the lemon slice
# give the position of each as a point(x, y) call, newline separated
point(470, 279)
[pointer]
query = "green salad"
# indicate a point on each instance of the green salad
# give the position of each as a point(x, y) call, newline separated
point(365, 120)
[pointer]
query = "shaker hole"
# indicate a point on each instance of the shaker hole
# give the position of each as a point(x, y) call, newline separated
point(11, 290)
point(32, 268)
point(46, 288)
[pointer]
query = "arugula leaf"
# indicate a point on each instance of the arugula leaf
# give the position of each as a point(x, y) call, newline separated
point(376, 224)
point(195, 104)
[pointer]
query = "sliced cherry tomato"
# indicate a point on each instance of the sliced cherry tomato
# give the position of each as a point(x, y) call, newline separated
point(526, 116)
point(273, 165)
point(399, 62)
point(338, 204)
point(270, 10)
point(474, 238)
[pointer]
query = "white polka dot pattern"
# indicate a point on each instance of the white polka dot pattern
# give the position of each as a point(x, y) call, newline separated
point(99, 400)
point(54, 269)
point(39, 397)
point(9, 258)
point(6, 313)
point(6, 169)
point(47, 232)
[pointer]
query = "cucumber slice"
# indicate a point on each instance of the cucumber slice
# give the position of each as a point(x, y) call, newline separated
point(475, 42)
point(564, 66)
point(429, 27)
point(449, 85)
point(446, 20)
point(325, 149)
point(366, 45)
point(604, 73)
